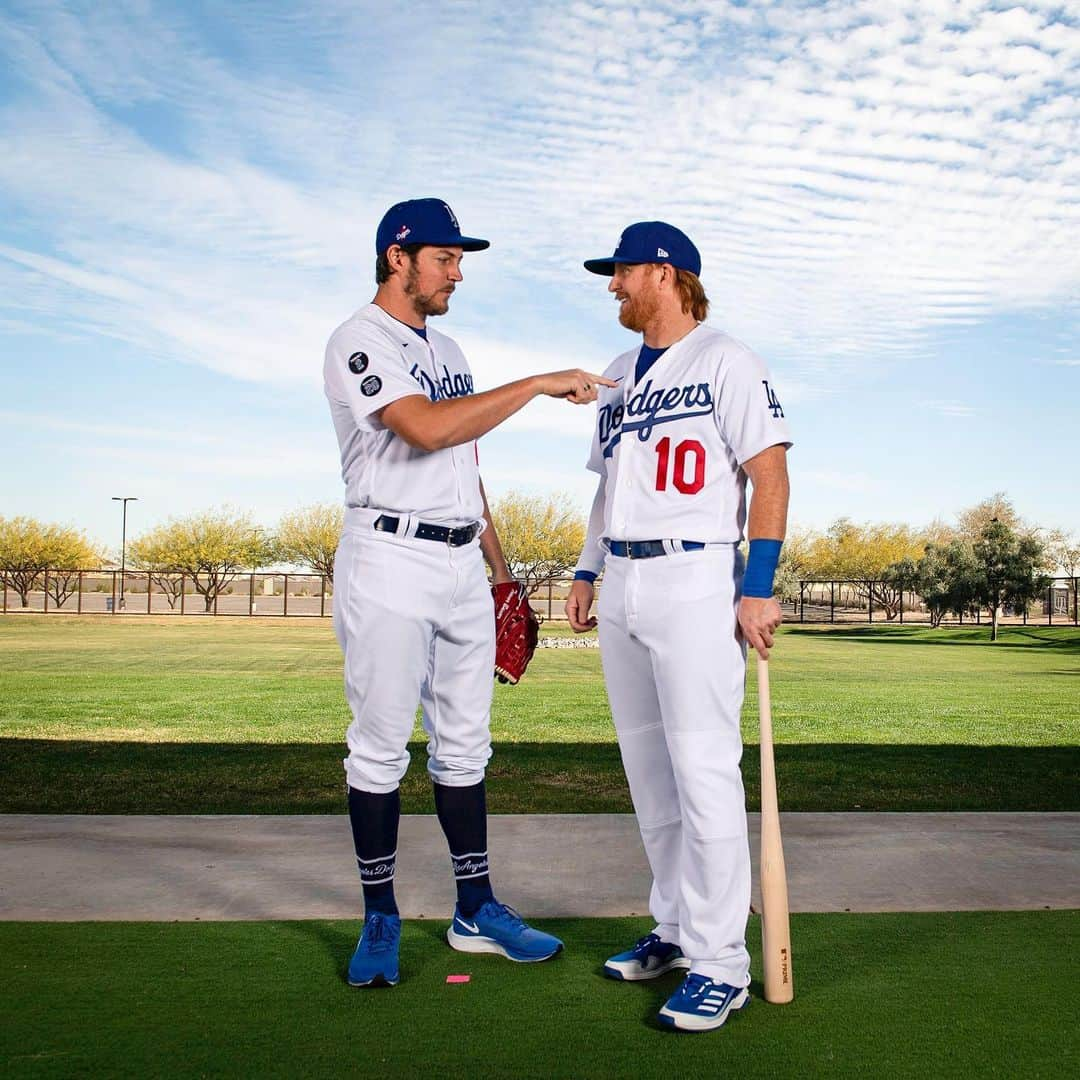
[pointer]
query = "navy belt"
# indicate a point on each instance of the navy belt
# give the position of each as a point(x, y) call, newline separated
point(647, 549)
point(441, 534)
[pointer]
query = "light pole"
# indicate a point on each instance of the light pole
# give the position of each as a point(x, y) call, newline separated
point(123, 541)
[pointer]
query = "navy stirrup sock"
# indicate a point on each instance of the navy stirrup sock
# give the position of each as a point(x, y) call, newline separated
point(374, 818)
point(463, 816)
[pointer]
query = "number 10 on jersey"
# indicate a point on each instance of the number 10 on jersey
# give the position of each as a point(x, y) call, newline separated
point(680, 464)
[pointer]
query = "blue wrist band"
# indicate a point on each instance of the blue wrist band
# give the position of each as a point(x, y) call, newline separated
point(584, 575)
point(760, 567)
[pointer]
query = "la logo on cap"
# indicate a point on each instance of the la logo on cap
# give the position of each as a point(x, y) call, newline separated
point(428, 222)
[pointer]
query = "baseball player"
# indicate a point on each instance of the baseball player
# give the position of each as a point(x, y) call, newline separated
point(693, 415)
point(412, 608)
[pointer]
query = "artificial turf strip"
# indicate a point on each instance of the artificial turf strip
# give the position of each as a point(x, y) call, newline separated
point(920, 995)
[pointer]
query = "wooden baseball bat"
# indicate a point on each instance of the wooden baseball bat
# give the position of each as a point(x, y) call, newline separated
point(775, 927)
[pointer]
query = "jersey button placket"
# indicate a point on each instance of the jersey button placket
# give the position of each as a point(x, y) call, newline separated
point(626, 475)
point(453, 450)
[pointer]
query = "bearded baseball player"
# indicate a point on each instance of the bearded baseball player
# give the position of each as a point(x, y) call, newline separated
point(413, 612)
point(694, 415)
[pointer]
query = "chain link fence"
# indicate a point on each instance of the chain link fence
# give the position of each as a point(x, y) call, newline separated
point(138, 592)
point(877, 601)
point(257, 595)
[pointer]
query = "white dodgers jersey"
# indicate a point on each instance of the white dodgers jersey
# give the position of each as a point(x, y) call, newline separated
point(372, 359)
point(670, 447)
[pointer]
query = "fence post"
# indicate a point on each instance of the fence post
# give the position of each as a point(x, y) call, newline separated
point(1049, 605)
point(901, 607)
point(114, 592)
point(832, 601)
point(183, 591)
point(45, 607)
point(322, 596)
point(285, 597)
point(78, 600)
point(549, 599)
point(802, 602)
point(870, 600)
point(251, 594)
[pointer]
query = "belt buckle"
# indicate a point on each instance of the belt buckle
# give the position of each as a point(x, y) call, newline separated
point(630, 550)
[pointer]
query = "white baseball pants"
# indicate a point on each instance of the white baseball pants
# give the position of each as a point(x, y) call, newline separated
point(415, 622)
point(675, 672)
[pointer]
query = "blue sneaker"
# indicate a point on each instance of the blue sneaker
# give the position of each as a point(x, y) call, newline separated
point(375, 962)
point(701, 1004)
point(649, 958)
point(497, 928)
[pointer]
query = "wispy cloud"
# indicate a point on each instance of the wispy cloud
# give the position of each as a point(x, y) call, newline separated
point(136, 433)
point(948, 408)
point(857, 174)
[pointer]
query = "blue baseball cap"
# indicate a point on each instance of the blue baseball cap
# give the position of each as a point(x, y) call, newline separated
point(651, 242)
point(423, 221)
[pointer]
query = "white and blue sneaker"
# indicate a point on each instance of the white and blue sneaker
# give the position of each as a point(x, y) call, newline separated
point(701, 1004)
point(497, 928)
point(649, 958)
point(375, 962)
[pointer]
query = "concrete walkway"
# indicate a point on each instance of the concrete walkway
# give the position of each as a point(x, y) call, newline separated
point(75, 867)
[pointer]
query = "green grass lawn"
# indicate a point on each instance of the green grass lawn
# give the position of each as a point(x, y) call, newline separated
point(923, 995)
point(132, 714)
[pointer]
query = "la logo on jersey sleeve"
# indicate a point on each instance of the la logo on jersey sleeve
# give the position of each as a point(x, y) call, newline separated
point(772, 400)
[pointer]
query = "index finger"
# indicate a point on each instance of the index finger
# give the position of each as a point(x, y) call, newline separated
point(756, 640)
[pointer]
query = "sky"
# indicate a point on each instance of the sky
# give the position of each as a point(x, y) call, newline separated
point(885, 195)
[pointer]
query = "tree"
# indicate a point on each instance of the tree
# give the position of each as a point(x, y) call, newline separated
point(1007, 570)
point(210, 548)
point(309, 537)
point(861, 554)
point(971, 522)
point(29, 547)
point(67, 551)
point(942, 577)
point(22, 554)
point(155, 552)
point(542, 536)
point(902, 576)
point(1063, 551)
point(794, 564)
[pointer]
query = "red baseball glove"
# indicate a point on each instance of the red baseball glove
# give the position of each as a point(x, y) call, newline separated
point(517, 630)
